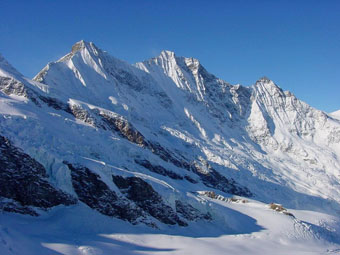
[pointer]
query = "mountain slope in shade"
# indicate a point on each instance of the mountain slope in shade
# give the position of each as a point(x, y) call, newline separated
point(165, 147)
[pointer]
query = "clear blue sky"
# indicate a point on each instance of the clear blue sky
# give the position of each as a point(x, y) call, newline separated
point(295, 43)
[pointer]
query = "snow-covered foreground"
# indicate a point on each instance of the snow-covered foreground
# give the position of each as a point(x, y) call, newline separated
point(253, 229)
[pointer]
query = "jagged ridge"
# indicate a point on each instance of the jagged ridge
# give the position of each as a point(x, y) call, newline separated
point(171, 121)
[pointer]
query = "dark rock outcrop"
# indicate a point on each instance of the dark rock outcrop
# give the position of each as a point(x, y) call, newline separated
point(83, 115)
point(24, 180)
point(92, 191)
point(167, 155)
point(124, 128)
point(11, 86)
point(210, 178)
point(158, 169)
point(55, 103)
point(9, 205)
point(214, 179)
point(148, 199)
point(189, 179)
point(190, 213)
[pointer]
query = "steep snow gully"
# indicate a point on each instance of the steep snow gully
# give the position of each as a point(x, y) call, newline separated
point(98, 156)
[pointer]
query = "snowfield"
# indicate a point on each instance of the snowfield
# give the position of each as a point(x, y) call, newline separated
point(253, 229)
point(98, 156)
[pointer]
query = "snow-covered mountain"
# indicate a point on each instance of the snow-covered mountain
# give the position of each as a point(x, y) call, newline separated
point(162, 147)
point(335, 114)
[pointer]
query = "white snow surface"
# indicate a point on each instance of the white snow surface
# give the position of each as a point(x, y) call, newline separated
point(264, 138)
point(335, 114)
point(253, 229)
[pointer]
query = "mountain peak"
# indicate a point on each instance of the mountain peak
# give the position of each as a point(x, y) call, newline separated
point(192, 63)
point(168, 54)
point(264, 79)
point(78, 46)
point(5, 66)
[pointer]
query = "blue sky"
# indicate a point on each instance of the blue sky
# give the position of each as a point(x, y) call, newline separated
point(295, 43)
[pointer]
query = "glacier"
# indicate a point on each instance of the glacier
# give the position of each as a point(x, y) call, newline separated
point(162, 157)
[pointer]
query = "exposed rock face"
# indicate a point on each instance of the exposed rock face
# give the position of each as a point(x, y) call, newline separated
point(211, 178)
point(158, 169)
point(167, 155)
point(92, 191)
point(11, 86)
point(140, 200)
point(55, 103)
point(213, 195)
point(107, 120)
point(83, 115)
point(148, 199)
point(24, 180)
point(124, 128)
point(190, 213)
point(10, 205)
point(189, 179)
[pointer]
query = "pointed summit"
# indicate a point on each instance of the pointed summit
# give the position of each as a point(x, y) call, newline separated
point(166, 54)
point(83, 54)
point(6, 69)
point(264, 79)
point(78, 46)
point(266, 82)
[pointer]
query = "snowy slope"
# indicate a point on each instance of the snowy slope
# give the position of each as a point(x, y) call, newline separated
point(335, 114)
point(134, 146)
point(260, 231)
point(289, 131)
